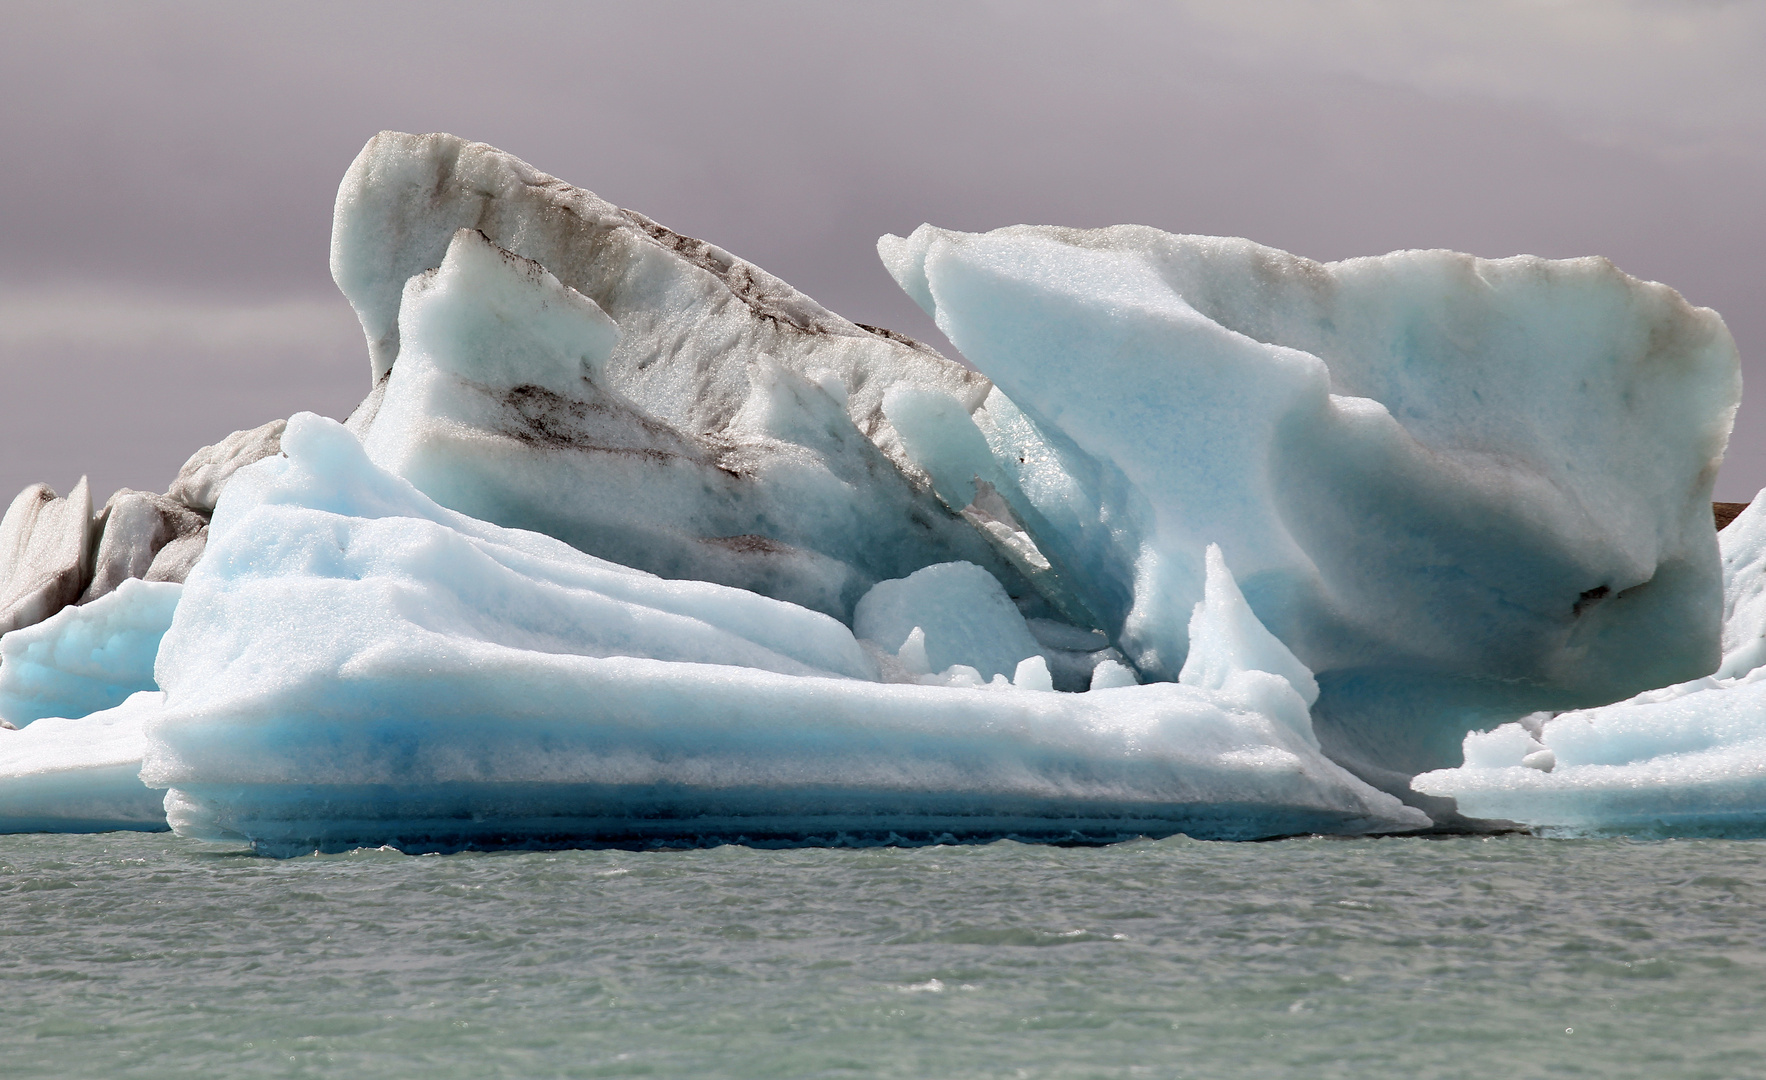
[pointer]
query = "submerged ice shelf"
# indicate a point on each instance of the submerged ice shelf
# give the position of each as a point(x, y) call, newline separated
point(632, 542)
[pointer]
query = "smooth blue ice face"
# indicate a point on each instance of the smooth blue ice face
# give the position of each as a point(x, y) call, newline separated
point(1454, 487)
point(81, 774)
point(1688, 759)
point(352, 663)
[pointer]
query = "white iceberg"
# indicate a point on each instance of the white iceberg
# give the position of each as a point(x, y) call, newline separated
point(80, 775)
point(45, 546)
point(587, 564)
point(1688, 759)
point(1456, 488)
point(75, 689)
point(56, 552)
point(546, 360)
point(352, 663)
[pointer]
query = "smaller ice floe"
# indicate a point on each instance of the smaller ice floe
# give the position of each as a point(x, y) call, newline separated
point(354, 665)
point(952, 624)
point(1688, 759)
point(86, 659)
point(964, 615)
point(80, 774)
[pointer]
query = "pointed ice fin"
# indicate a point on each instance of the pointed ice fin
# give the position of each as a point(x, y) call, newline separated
point(1226, 637)
point(912, 653)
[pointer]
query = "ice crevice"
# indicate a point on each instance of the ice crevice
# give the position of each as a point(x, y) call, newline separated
point(633, 543)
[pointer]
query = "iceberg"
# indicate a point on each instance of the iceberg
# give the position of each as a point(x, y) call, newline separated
point(143, 536)
point(1459, 489)
point(55, 552)
point(354, 664)
point(80, 774)
point(1687, 759)
point(632, 543)
point(86, 659)
point(75, 691)
point(45, 543)
point(548, 361)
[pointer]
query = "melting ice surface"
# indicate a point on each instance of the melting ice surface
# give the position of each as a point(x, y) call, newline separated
point(1426, 469)
point(62, 772)
point(1684, 759)
point(552, 362)
point(632, 542)
point(352, 663)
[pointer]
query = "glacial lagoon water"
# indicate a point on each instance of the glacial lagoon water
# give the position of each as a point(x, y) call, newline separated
point(142, 955)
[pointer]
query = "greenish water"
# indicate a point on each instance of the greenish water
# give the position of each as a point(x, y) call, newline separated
point(147, 956)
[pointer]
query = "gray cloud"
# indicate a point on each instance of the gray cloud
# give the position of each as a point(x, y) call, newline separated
point(172, 168)
point(1682, 78)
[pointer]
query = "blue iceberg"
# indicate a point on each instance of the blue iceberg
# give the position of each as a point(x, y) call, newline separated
point(1682, 760)
point(633, 543)
point(1457, 488)
point(352, 663)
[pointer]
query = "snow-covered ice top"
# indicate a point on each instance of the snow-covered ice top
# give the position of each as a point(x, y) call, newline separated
point(1439, 478)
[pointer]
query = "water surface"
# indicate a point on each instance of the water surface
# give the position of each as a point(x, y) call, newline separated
point(147, 956)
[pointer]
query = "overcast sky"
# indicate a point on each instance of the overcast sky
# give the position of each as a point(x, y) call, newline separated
point(168, 172)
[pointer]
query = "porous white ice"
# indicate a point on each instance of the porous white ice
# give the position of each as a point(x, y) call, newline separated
point(45, 547)
point(1683, 759)
point(1453, 487)
point(204, 476)
point(80, 775)
point(352, 663)
point(85, 659)
point(964, 614)
point(731, 430)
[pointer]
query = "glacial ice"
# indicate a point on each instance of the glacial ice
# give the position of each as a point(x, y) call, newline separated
point(673, 409)
point(142, 535)
point(80, 774)
point(352, 663)
point(56, 552)
point(631, 543)
point(45, 543)
point(964, 616)
point(1456, 488)
point(88, 658)
point(204, 476)
point(1225, 638)
point(1687, 759)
